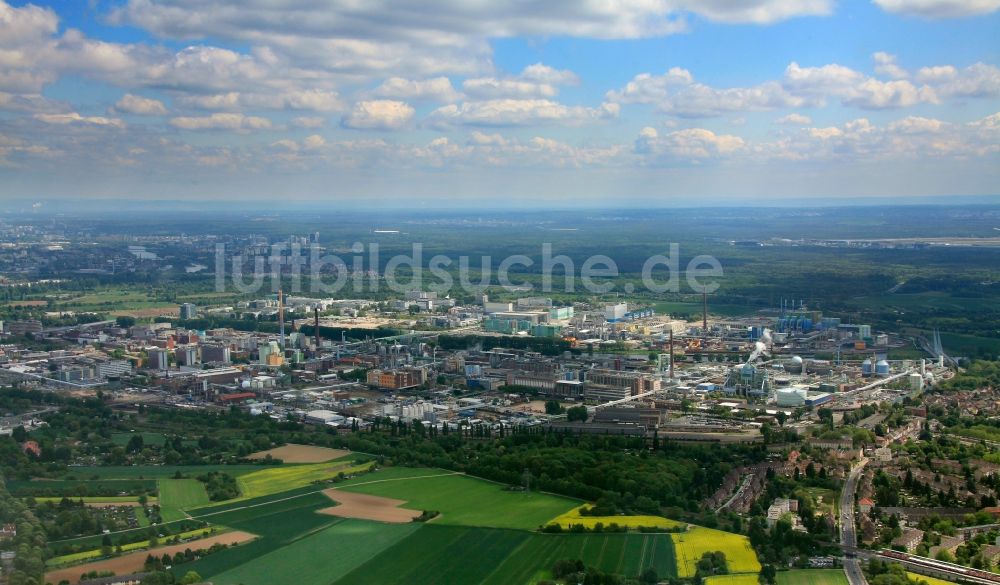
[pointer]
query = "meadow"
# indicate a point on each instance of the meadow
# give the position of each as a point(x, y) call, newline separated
point(178, 495)
point(468, 501)
point(691, 545)
point(812, 577)
point(343, 546)
point(626, 554)
point(631, 522)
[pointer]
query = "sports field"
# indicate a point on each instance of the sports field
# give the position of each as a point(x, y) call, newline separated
point(691, 545)
point(812, 577)
point(342, 547)
point(177, 495)
point(467, 501)
point(632, 522)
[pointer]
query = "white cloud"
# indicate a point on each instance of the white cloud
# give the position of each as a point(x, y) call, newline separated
point(75, 118)
point(515, 112)
point(134, 104)
point(534, 81)
point(794, 119)
point(690, 143)
point(542, 73)
point(378, 115)
point(485, 88)
point(885, 64)
point(308, 122)
point(221, 121)
point(935, 9)
point(438, 89)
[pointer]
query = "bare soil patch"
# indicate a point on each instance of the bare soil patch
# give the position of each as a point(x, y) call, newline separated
point(368, 507)
point(301, 454)
point(133, 562)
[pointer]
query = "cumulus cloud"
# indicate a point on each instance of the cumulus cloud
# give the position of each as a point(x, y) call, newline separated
point(885, 64)
point(75, 118)
point(935, 9)
point(794, 120)
point(517, 112)
point(438, 89)
point(676, 92)
point(378, 115)
point(221, 121)
point(133, 104)
point(308, 122)
point(689, 143)
point(534, 81)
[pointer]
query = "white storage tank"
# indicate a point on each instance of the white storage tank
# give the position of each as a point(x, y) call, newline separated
point(882, 368)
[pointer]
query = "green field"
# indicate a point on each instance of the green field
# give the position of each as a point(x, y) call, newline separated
point(812, 577)
point(344, 546)
point(68, 487)
point(691, 545)
point(279, 524)
point(177, 495)
point(626, 554)
point(96, 553)
point(468, 501)
point(154, 439)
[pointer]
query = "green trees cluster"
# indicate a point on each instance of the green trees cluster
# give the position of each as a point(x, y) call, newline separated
point(29, 543)
point(220, 485)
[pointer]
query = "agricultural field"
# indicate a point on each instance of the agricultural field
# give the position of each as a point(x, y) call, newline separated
point(928, 580)
point(344, 546)
point(74, 558)
point(133, 562)
point(812, 577)
point(691, 545)
point(301, 454)
point(740, 579)
point(631, 522)
point(468, 501)
point(272, 480)
point(178, 495)
point(627, 554)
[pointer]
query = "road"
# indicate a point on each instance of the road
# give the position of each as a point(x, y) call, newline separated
point(848, 535)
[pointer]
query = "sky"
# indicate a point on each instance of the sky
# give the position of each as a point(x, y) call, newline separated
point(499, 103)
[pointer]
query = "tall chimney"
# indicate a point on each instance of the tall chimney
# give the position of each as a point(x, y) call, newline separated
point(316, 325)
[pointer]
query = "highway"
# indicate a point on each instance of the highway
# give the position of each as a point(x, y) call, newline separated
point(848, 535)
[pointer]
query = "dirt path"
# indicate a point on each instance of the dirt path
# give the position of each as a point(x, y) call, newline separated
point(133, 562)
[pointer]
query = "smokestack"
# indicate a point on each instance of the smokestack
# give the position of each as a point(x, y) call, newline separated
point(316, 324)
point(281, 320)
point(704, 311)
point(671, 353)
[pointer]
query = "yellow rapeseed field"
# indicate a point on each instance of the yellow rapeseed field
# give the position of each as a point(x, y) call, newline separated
point(691, 545)
point(632, 522)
